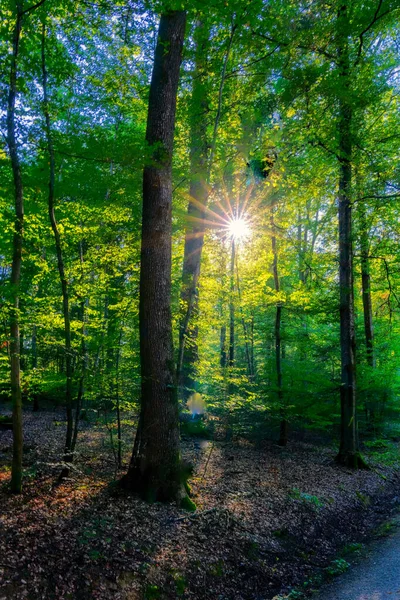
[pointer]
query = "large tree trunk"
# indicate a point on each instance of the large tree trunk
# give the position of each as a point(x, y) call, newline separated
point(16, 474)
point(68, 455)
point(155, 468)
point(348, 451)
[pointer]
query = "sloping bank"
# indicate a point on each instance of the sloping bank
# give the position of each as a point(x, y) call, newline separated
point(275, 523)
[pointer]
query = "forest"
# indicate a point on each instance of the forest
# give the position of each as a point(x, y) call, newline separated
point(199, 294)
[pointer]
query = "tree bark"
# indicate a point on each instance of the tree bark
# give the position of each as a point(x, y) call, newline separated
point(16, 473)
point(348, 451)
point(155, 468)
point(68, 456)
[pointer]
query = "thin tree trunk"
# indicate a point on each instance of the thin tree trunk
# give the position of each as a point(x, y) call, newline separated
point(366, 288)
point(35, 407)
point(314, 235)
point(78, 408)
point(84, 359)
point(300, 249)
point(201, 166)
point(222, 345)
point(244, 325)
point(16, 473)
point(117, 400)
point(230, 388)
point(348, 451)
point(231, 360)
point(367, 306)
point(155, 468)
point(68, 456)
point(21, 339)
point(253, 365)
point(283, 433)
point(194, 238)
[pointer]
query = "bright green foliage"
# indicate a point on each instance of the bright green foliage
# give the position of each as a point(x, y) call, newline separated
point(275, 151)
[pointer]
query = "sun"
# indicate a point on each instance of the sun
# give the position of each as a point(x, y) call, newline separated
point(238, 229)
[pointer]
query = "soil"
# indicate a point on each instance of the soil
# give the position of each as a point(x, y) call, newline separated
point(268, 519)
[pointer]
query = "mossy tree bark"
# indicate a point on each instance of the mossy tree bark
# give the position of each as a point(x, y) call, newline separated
point(155, 467)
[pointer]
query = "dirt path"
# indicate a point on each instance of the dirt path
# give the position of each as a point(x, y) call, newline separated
point(375, 578)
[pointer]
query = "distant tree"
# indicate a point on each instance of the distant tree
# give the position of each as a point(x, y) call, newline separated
point(68, 456)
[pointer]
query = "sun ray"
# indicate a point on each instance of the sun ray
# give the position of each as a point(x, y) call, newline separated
point(204, 208)
point(246, 200)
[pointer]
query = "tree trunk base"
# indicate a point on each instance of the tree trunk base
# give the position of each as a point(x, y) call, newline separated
point(283, 435)
point(352, 460)
point(16, 483)
point(154, 487)
point(65, 471)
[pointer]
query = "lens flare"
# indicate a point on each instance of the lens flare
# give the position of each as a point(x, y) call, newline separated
point(239, 229)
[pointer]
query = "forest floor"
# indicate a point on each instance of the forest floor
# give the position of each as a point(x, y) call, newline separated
point(268, 521)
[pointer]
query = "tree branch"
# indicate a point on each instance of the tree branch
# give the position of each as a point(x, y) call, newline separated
point(32, 8)
point(376, 197)
point(322, 145)
point(252, 62)
point(316, 49)
point(375, 18)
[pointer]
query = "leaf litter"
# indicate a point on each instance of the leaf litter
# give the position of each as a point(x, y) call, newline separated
point(266, 520)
